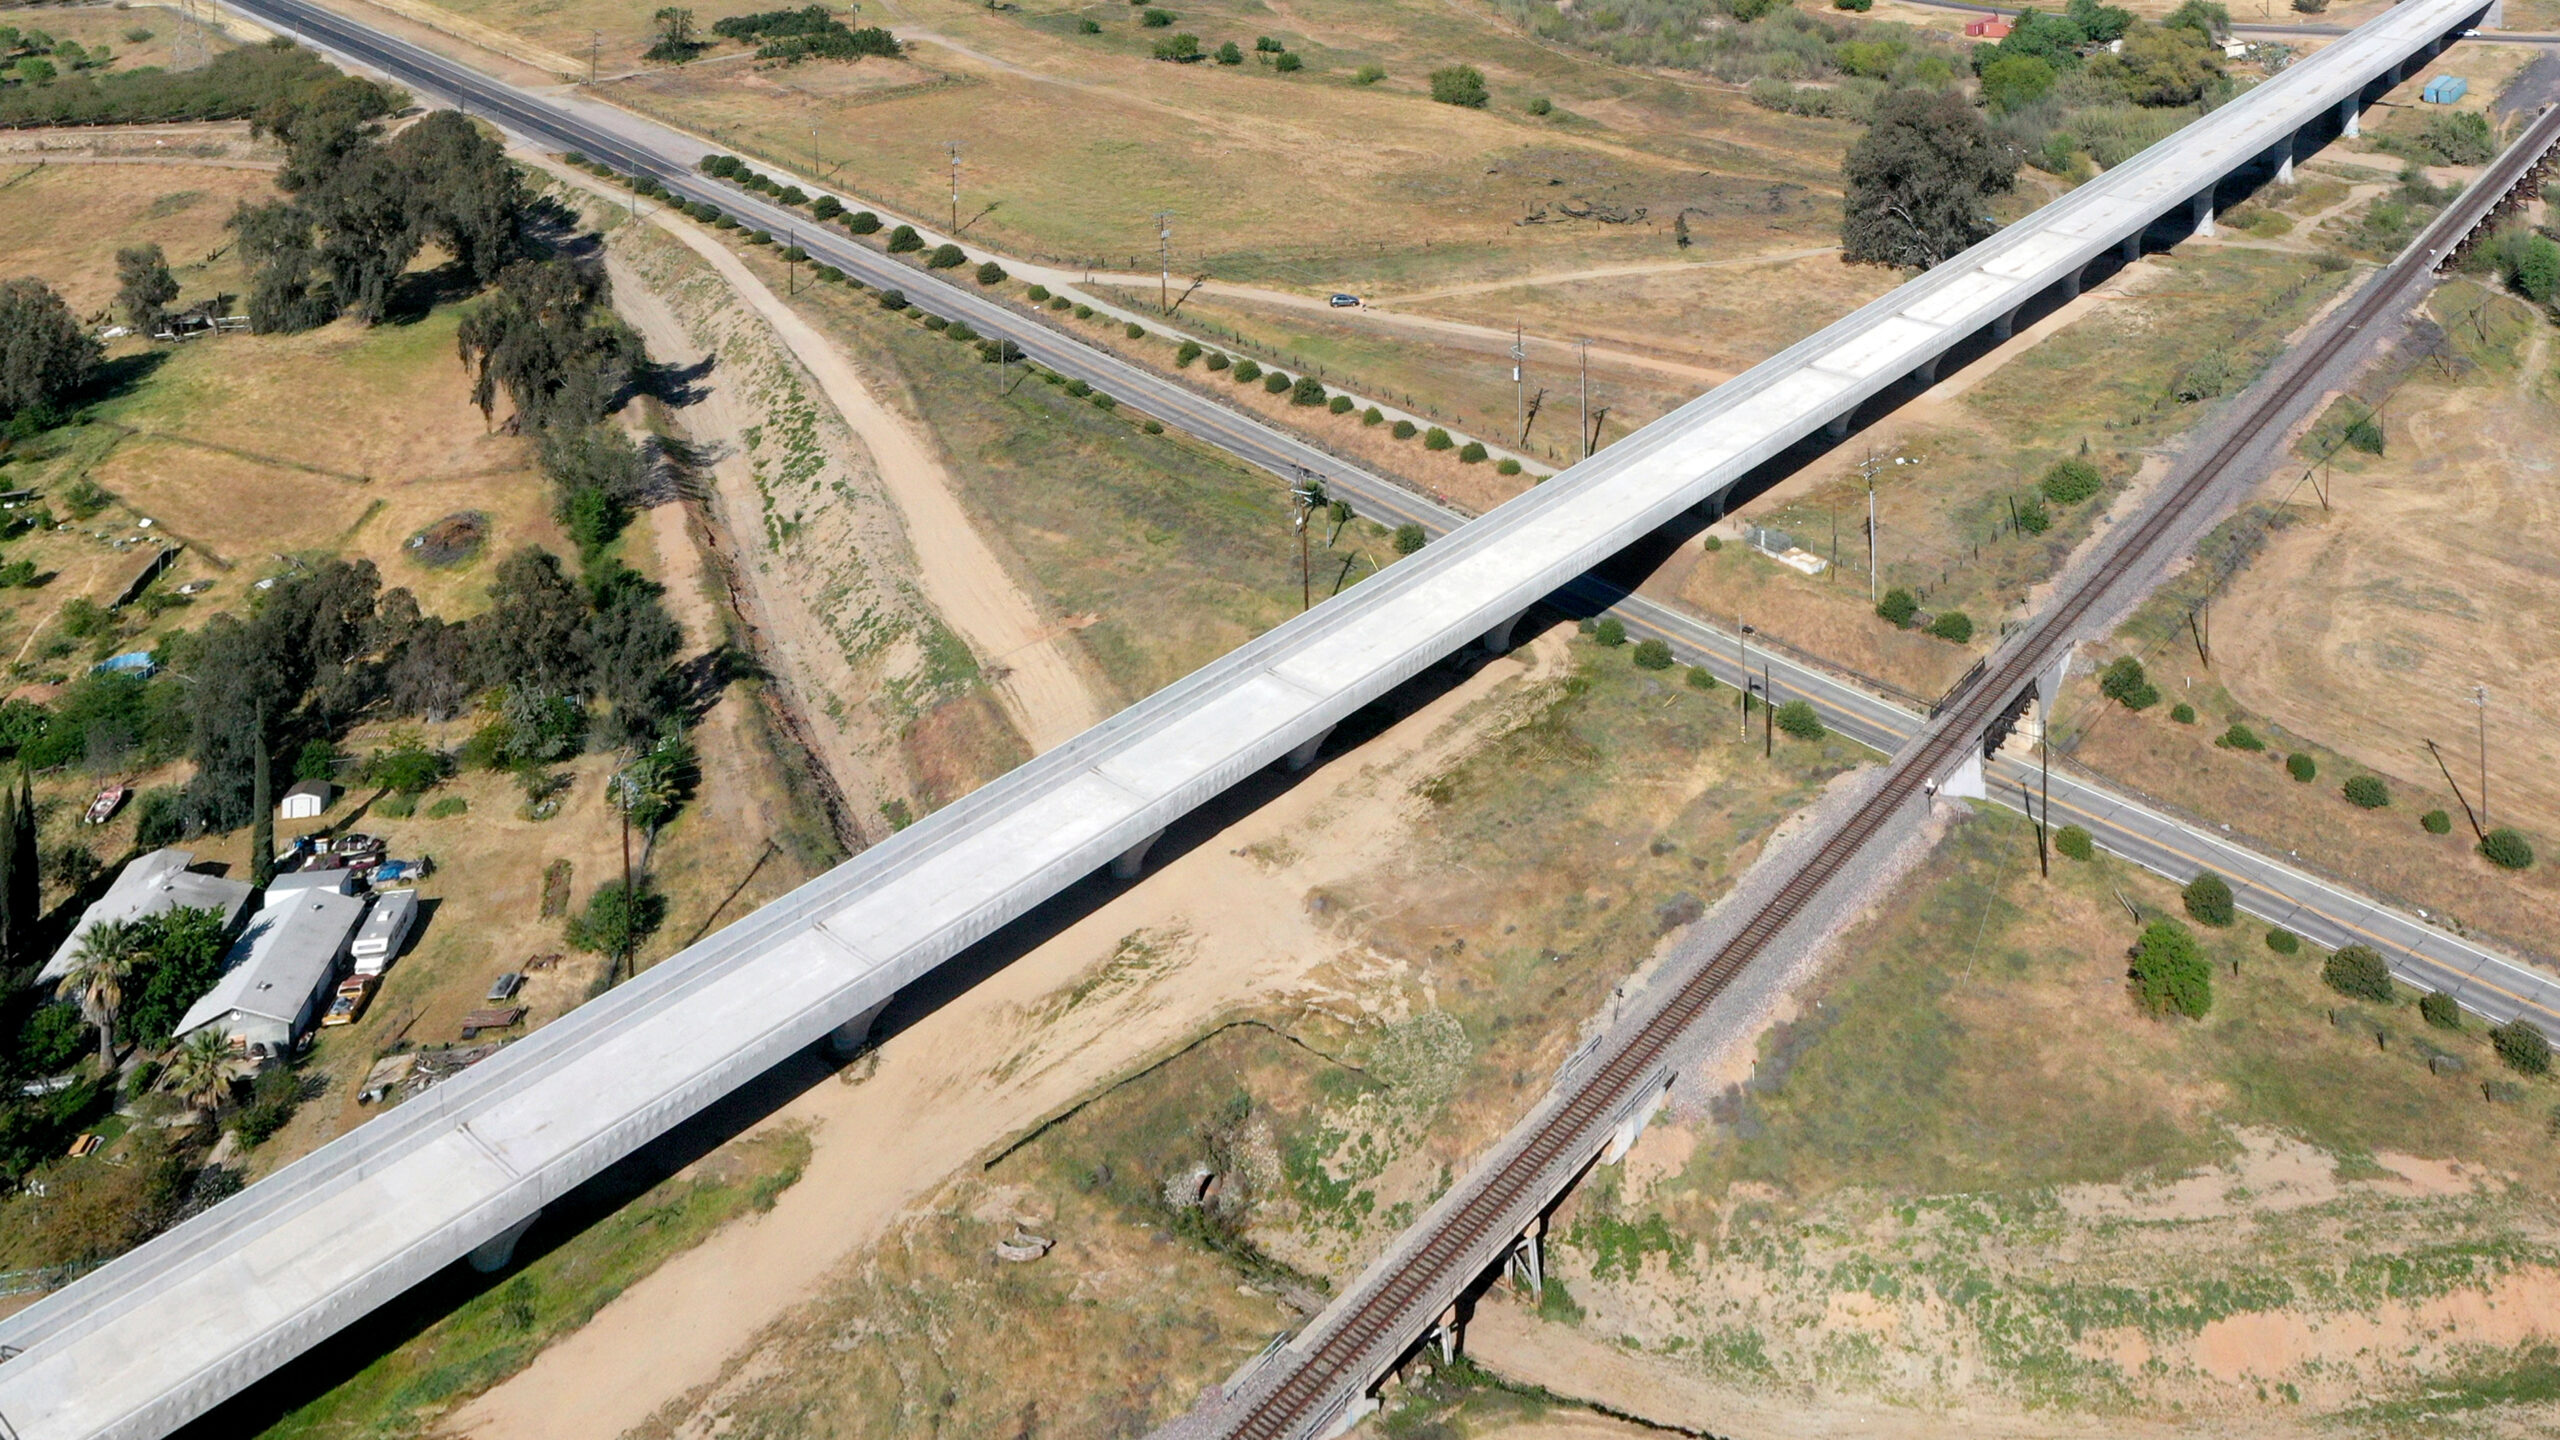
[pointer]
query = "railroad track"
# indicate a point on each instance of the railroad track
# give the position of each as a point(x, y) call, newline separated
point(1376, 1330)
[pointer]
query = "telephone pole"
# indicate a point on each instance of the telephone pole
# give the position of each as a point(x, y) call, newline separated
point(595, 42)
point(1742, 647)
point(1519, 381)
point(2480, 697)
point(1867, 468)
point(1585, 347)
point(954, 147)
point(1164, 261)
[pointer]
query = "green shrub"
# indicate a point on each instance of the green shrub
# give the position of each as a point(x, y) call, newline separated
point(1796, 717)
point(1058, 302)
point(902, 241)
point(1087, 25)
point(990, 273)
point(1410, 538)
point(2358, 971)
point(946, 256)
point(1037, 294)
point(1700, 678)
point(2436, 822)
point(759, 237)
point(2073, 841)
point(2301, 767)
point(1506, 466)
point(2124, 682)
point(1459, 85)
point(1715, 543)
point(1373, 416)
point(1134, 330)
point(2032, 517)
point(1275, 383)
point(1156, 19)
point(2506, 849)
point(1288, 62)
point(2183, 713)
point(936, 322)
point(2069, 482)
point(2366, 792)
point(1436, 438)
point(1952, 625)
point(2170, 973)
point(2283, 941)
point(1471, 453)
point(1404, 430)
point(1217, 361)
point(1247, 372)
point(448, 807)
point(2522, 1047)
point(959, 330)
point(2240, 737)
point(1898, 606)
point(2440, 1010)
point(1651, 655)
point(1230, 54)
point(1188, 351)
point(2208, 899)
point(1153, 427)
point(1339, 405)
point(395, 807)
point(1084, 312)
point(893, 299)
point(1079, 389)
point(863, 222)
point(1610, 631)
point(826, 207)
point(1307, 391)
point(616, 921)
point(1104, 402)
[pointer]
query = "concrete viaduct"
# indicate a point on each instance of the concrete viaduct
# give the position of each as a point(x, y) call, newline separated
point(164, 1333)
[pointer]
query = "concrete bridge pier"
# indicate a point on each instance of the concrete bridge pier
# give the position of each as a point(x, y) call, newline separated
point(2350, 112)
point(2204, 215)
point(1497, 641)
point(846, 1040)
point(2004, 327)
point(2070, 285)
point(1305, 754)
point(2284, 159)
point(2131, 250)
point(1838, 425)
point(1528, 1258)
point(492, 1255)
point(1448, 1333)
point(1927, 374)
point(1134, 859)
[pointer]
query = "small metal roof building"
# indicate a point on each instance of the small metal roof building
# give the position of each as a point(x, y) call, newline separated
point(281, 971)
point(305, 800)
point(149, 885)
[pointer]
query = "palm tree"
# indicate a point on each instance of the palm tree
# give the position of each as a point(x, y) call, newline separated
point(202, 1069)
point(98, 971)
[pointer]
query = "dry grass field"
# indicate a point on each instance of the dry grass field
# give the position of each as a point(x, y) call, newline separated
point(2356, 635)
point(65, 222)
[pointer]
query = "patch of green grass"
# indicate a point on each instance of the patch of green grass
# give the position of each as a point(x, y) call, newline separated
point(498, 1332)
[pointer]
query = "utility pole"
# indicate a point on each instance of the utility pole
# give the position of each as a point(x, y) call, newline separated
point(2480, 697)
point(1742, 648)
point(595, 41)
point(954, 147)
point(1304, 492)
point(1867, 468)
point(817, 167)
point(1164, 261)
point(1519, 379)
point(1768, 715)
point(1585, 346)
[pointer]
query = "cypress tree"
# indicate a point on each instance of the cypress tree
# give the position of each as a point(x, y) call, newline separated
point(25, 882)
point(262, 807)
point(12, 929)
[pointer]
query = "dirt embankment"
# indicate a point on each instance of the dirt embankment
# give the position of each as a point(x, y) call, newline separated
point(1227, 925)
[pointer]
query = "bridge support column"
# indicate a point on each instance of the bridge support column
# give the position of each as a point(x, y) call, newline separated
point(1134, 859)
point(2004, 327)
point(1305, 754)
point(491, 1255)
point(846, 1040)
point(2132, 248)
point(1928, 371)
point(1623, 1139)
point(2284, 162)
point(1497, 641)
point(1528, 1258)
point(2495, 17)
point(1447, 1335)
point(2204, 216)
point(1838, 426)
point(2071, 286)
point(2350, 117)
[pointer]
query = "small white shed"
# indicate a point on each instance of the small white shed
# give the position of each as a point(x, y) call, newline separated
point(305, 801)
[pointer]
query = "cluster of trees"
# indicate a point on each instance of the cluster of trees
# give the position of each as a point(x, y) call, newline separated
point(1771, 48)
point(1919, 182)
point(361, 207)
point(790, 36)
point(236, 85)
point(547, 338)
point(2528, 261)
point(33, 57)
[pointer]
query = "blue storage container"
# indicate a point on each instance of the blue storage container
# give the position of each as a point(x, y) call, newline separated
point(2445, 89)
